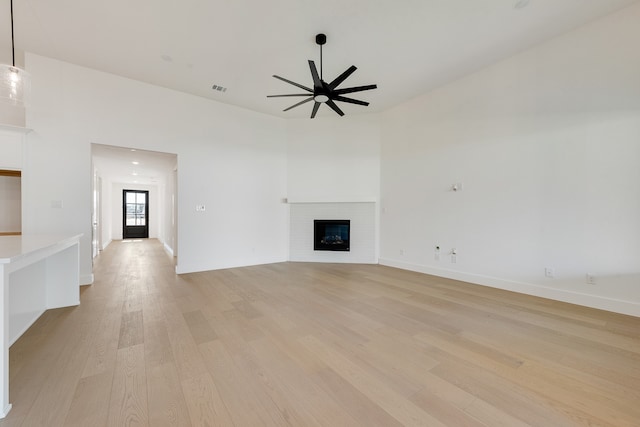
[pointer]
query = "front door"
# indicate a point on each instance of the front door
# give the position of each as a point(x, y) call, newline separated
point(135, 214)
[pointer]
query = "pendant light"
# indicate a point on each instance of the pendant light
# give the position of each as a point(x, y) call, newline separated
point(15, 83)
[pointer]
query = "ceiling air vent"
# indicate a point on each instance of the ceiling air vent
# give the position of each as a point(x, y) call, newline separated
point(219, 88)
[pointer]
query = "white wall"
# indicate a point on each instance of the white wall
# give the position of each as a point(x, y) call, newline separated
point(106, 211)
point(334, 158)
point(233, 168)
point(11, 115)
point(169, 224)
point(547, 147)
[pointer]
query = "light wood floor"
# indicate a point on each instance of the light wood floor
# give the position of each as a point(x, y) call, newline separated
point(297, 344)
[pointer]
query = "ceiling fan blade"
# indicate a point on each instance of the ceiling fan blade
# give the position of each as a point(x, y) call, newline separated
point(334, 107)
point(342, 77)
point(354, 89)
point(299, 103)
point(294, 94)
point(315, 109)
point(350, 100)
point(293, 83)
point(317, 83)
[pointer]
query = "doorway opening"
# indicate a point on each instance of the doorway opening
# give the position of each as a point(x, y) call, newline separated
point(135, 214)
point(153, 213)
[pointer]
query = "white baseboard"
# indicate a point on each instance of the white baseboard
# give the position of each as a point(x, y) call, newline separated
point(587, 300)
point(86, 279)
point(5, 411)
point(168, 249)
point(105, 244)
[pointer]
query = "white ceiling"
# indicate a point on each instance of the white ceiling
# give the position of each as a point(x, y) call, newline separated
point(406, 47)
point(116, 164)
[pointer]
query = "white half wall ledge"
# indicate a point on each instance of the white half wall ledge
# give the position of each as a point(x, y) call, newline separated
point(586, 300)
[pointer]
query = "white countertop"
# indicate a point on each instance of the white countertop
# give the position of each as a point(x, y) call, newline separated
point(13, 248)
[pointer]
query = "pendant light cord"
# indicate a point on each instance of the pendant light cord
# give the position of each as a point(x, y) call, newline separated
point(13, 48)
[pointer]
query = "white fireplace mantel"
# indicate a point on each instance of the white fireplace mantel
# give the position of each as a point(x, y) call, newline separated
point(332, 199)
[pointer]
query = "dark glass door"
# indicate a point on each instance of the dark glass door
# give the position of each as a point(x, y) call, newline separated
point(135, 214)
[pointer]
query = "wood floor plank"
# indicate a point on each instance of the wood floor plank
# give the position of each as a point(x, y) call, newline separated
point(131, 329)
point(312, 344)
point(317, 404)
point(246, 404)
point(445, 411)
point(36, 354)
point(128, 402)
point(199, 326)
point(398, 407)
point(89, 407)
point(184, 348)
point(205, 405)
point(514, 399)
point(157, 345)
point(65, 372)
point(102, 355)
point(167, 405)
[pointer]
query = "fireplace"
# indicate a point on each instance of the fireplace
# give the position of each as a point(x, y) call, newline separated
point(331, 234)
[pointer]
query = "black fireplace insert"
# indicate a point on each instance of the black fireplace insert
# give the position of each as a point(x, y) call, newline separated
point(331, 234)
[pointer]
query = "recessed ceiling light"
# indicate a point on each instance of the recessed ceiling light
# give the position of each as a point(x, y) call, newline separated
point(520, 4)
point(135, 162)
point(134, 173)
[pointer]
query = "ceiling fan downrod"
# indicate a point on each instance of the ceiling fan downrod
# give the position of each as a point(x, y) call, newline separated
point(320, 40)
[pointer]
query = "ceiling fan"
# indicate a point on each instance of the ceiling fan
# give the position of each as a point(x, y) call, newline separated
point(323, 92)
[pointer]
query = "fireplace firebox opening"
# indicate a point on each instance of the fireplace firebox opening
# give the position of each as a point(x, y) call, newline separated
point(331, 234)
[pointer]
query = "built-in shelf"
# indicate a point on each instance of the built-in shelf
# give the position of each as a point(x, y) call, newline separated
point(17, 129)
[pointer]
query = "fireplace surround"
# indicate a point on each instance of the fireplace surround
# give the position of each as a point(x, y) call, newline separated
point(362, 231)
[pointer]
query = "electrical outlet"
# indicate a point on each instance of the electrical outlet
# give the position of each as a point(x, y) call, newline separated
point(590, 279)
point(454, 255)
point(436, 255)
point(549, 272)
